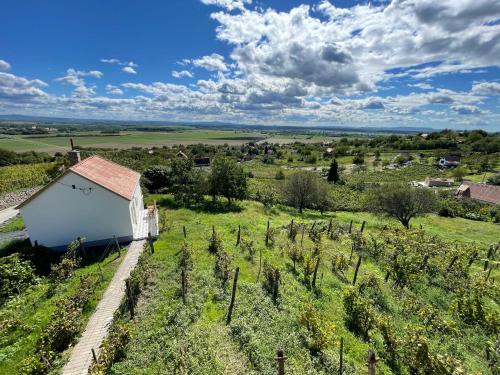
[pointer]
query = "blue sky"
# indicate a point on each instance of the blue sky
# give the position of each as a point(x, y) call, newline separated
point(389, 63)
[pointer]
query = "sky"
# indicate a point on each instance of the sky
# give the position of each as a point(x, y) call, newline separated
point(404, 63)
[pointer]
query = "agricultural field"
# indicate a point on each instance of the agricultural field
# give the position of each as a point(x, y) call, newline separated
point(127, 140)
point(415, 319)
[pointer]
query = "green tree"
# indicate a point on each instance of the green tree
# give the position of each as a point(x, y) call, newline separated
point(303, 189)
point(187, 184)
point(227, 179)
point(156, 178)
point(401, 202)
point(333, 172)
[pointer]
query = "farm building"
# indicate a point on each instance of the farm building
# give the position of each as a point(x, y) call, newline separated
point(480, 192)
point(433, 182)
point(94, 199)
point(449, 162)
point(202, 162)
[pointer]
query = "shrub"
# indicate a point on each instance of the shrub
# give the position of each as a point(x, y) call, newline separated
point(247, 247)
point(317, 334)
point(215, 243)
point(360, 317)
point(280, 175)
point(222, 268)
point(271, 281)
point(112, 348)
point(16, 275)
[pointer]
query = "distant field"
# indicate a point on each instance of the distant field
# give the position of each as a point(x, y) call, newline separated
point(128, 140)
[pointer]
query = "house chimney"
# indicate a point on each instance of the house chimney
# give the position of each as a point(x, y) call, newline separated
point(73, 155)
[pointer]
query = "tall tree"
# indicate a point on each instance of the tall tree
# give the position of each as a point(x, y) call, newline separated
point(333, 172)
point(187, 183)
point(401, 202)
point(227, 179)
point(304, 189)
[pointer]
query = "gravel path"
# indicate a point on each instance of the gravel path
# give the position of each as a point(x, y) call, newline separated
point(8, 214)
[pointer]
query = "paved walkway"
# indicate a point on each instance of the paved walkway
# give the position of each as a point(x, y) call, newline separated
point(7, 214)
point(99, 323)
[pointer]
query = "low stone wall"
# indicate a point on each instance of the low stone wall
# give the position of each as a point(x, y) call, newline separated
point(16, 197)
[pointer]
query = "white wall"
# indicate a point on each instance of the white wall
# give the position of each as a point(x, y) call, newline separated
point(136, 205)
point(60, 214)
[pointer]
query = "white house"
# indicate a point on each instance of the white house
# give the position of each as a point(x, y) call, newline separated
point(94, 199)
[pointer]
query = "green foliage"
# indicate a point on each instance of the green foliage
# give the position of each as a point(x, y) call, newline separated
point(271, 281)
point(215, 243)
point(402, 202)
point(17, 177)
point(227, 179)
point(304, 189)
point(156, 178)
point(268, 196)
point(280, 175)
point(222, 268)
point(317, 334)
point(494, 179)
point(360, 316)
point(248, 248)
point(16, 275)
point(333, 172)
point(112, 348)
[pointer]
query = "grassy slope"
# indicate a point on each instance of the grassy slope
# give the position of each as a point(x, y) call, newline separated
point(171, 338)
point(31, 311)
point(12, 225)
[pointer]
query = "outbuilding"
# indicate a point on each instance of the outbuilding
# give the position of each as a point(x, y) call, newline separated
point(94, 199)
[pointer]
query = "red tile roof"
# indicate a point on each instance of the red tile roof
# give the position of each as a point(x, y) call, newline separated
point(481, 192)
point(111, 176)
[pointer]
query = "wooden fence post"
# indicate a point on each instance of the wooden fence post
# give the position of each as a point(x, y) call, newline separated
point(363, 226)
point(454, 259)
point(276, 285)
point(238, 237)
point(94, 355)
point(233, 295)
point(315, 273)
point(183, 285)
point(267, 234)
point(472, 258)
point(372, 360)
point(302, 238)
point(151, 243)
point(280, 358)
point(290, 230)
point(330, 227)
point(387, 275)
point(130, 300)
point(356, 271)
point(260, 263)
point(350, 227)
point(184, 231)
point(341, 356)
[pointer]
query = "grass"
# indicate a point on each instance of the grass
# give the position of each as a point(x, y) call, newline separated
point(127, 139)
point(12, 225)
point(22, 318)
point(169, 337)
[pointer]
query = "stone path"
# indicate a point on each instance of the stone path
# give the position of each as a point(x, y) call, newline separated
point(99, 323)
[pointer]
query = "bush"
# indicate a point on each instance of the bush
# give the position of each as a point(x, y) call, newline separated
point(317, 334)
point(280, 175)
point(360, 317)
point(16, 275)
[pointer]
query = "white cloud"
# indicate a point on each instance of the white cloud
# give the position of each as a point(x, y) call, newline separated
point(4, 65)
point(113, 90)
point(129, 70)
point(422, 85)
point(488, 88)
point(19, 89)
point(74, 78)
point(182, 74)
point(213, 62)
point(228, 4)
point(467, 109)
